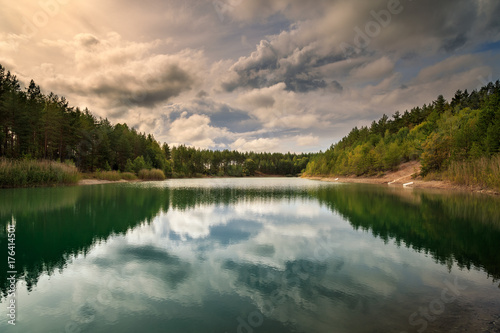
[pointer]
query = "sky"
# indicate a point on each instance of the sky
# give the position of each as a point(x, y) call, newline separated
point(251, 75)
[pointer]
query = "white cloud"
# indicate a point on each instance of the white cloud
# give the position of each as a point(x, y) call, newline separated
point(276, 107)
point(256, 145)
point(307, 140)
point(195, 130)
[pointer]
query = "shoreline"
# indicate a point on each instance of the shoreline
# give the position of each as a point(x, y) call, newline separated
point(403, 176)
point(93, 181)
point(396, 179)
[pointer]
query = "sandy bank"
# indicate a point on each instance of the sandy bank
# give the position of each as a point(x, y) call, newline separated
point(405, 175)
point(99, 181)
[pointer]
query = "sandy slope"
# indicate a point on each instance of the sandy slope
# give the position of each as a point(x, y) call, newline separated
point(98, 181)
point(405, 175)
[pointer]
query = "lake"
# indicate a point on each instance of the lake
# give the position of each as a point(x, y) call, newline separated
point(249, 255)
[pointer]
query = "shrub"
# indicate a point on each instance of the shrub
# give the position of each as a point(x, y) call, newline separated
point(153, 174)
point(128, 176)
point(26, 173)
point(108, 175)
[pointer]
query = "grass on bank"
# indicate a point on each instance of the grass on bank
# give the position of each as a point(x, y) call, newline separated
point(144, 174)
point(153, 174)
point(114, 175)
point(484, 172)
point(29, 173)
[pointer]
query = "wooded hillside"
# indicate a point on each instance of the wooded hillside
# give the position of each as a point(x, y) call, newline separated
point(459, 140)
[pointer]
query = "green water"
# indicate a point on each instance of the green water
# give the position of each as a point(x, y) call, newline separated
point(250, 255)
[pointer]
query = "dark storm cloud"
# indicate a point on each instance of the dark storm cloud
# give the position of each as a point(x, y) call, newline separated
point(298, 57)
point(124, 75)
point(273, 63)
point(131, 90)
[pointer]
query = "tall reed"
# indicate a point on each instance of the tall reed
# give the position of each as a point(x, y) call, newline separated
point(29, 173)
point(484, 172)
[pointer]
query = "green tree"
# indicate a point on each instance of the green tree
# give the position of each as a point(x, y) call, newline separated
point(166, 151)
point(129, 166)
point(139, 164)
point(249, 167)
point(436, 152)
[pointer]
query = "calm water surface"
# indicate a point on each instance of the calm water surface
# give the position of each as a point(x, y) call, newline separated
point(250, 255)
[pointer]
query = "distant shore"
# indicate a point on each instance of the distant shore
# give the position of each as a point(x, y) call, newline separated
point(93, 181)
point(102, 181)
point(404, 175)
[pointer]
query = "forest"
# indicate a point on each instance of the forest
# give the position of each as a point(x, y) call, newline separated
point(36, 126)
point(457, 140)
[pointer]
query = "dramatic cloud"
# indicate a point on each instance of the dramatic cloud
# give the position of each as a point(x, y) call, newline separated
point(195, 130)
point(251, 74)
point(123, 74)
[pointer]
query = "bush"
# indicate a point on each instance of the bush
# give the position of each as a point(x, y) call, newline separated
point(114, 175)
point(128, 176)
point(27, 173)
point(153, 174)
point(108, 175)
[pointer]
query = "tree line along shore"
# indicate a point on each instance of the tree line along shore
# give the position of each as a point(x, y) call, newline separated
point(44, 141)
point(455, 141)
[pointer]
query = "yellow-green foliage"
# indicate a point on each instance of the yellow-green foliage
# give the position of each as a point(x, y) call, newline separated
point(479, 172)
point(108, 175)
point(128, 176)
point(457, 140)
point(27, 173)
point(153, 174)
point(114, 175)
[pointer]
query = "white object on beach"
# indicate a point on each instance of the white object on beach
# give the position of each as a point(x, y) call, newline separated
point(408, 184)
